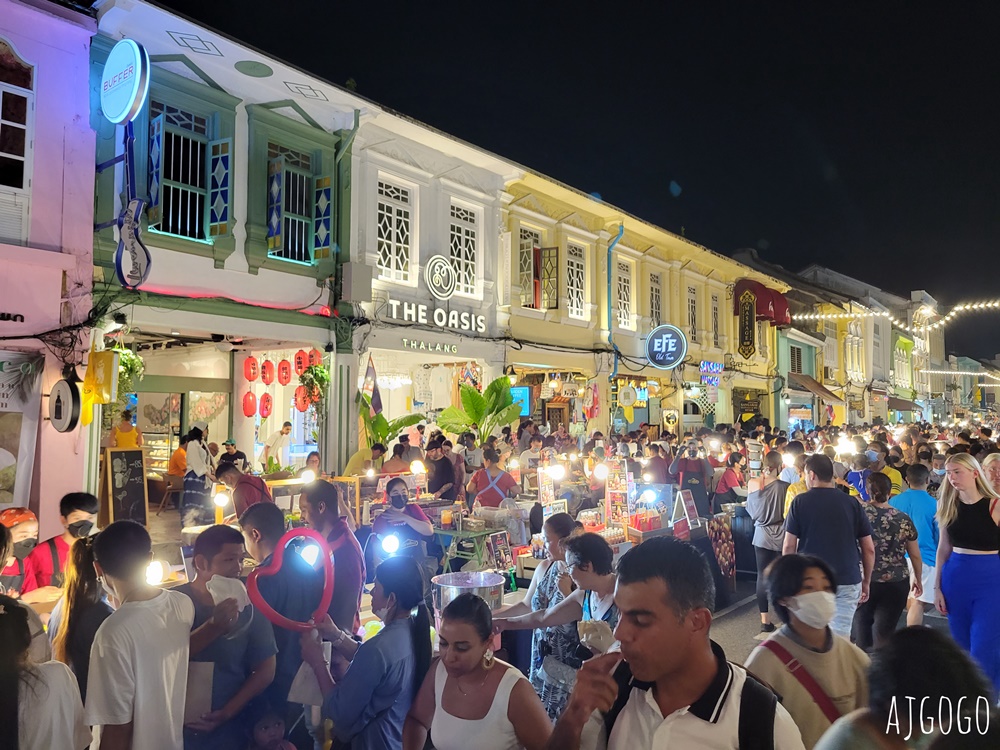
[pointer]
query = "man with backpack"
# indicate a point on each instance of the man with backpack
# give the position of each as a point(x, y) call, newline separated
point(675, 688)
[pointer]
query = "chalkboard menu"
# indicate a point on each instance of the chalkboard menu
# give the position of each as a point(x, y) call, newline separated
point(124, 485)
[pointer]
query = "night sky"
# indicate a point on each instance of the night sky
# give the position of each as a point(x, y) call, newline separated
point(863, 137)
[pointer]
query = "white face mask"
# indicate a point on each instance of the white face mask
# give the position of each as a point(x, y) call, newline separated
point(816, 609)
point(110, 593)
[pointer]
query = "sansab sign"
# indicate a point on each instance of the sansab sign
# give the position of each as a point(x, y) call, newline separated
point(666, 347)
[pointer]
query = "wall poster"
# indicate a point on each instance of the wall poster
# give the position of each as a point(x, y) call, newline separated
point(20, 406)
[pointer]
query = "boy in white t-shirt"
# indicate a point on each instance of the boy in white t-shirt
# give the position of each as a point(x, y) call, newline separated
point(139, 660)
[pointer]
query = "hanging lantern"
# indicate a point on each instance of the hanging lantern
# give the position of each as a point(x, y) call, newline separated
point(251, 369)
point(267, 372)
point(315, 357)
point(302, 398)
point(266, 405)
point(301, 362)
point(284, 372)
point(249, 404)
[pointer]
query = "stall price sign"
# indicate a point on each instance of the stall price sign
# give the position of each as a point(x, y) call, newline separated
point(685, 511)
point(546, 488)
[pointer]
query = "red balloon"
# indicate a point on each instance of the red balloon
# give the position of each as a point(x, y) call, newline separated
point(302, 399)
point(284, 372)
point(315, 357)
point(267, 372)
point(279, 555)
point(249, 404)
point(266, 405)
point(301, 362)
point(250, 369)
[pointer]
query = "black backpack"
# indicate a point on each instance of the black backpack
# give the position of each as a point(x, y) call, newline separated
point(758, 704)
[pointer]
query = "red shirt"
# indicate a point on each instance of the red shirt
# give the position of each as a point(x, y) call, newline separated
point(250, 490)
point(657, 468)
point(348, 577)
point(728, 480)
point(11, 572)
point(38, 570)
point(383, 523)
point(491, 497)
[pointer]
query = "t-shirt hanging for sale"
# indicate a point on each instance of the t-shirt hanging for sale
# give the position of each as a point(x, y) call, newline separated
point(440, 382)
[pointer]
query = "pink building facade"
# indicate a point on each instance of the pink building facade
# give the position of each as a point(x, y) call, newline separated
point(47, 164)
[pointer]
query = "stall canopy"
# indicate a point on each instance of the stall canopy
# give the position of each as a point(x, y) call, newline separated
point(901, 404)
point(771, 304)
point(810, 384)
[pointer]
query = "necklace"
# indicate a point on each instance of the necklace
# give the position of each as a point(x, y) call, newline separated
point(459, 684)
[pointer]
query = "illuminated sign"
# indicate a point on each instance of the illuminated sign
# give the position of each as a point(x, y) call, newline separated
point(124, 82)
point(417, 312)
point(666, 347)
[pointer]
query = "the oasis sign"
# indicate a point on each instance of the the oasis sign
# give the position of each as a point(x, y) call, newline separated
point(417, 312)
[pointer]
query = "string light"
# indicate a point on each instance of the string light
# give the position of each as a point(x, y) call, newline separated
point(962, 373)
point(940, 323)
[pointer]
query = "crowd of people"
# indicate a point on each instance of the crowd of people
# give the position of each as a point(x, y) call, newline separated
point(853, 528)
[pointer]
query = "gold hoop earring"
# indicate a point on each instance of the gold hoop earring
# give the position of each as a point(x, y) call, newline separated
point(488, 659)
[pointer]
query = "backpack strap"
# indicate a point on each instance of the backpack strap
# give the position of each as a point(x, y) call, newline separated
point(758, 705)
point(805, 679)
point(54, 551)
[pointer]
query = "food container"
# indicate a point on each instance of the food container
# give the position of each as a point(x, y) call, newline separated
point(449, 586)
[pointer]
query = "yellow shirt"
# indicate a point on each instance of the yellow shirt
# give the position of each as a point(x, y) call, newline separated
point(793, 491)
point(178, 463)
point(895, 477)
point(125, 439)
point(356, 465)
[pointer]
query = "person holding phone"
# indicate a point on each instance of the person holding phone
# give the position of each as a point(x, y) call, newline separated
point(695, 474)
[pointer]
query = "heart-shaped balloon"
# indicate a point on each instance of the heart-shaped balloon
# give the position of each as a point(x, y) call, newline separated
point(275, 566)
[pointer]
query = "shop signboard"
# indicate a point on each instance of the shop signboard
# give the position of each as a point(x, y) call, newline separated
point(666, 347)
point(439, 317)
point(20, 406)
point(747, 324)
point(124, 81)
point(546, 488)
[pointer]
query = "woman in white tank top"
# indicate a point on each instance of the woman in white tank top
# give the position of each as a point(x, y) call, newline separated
point(469, 698)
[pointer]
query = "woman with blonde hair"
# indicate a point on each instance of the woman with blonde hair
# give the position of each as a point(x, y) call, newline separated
point(968, 565)
point(991, 465)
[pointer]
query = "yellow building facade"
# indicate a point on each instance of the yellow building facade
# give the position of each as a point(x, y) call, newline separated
point(555, 295)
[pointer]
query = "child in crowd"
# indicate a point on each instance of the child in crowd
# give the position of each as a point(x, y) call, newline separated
point(858, 479)
point(266, 727)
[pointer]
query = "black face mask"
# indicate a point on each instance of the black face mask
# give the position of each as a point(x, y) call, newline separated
point(693, 452)
point(80, 529)
point(23, 548)
point(398, 501)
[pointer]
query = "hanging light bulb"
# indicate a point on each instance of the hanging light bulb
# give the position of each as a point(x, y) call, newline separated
point(511, 375)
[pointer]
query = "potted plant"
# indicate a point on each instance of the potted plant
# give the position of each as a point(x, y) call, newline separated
point(490, 410)
point(380, 430)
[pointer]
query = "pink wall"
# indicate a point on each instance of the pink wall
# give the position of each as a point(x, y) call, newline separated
point(57, 42)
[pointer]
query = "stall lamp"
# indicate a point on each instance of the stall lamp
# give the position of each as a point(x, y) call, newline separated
point(557, 472)
point(573, 457)
point(647, 478)
point(156, 572)
point(221, 501)
point(417, 467)
point(714, 445)
point(786, 398)
point(601, 472)
point(390, 545)
point(644, 461)
point(648, 497)
point(310, 553)
point(308, 476)
point(513, 463)
point(788, 459)
point(370, 473)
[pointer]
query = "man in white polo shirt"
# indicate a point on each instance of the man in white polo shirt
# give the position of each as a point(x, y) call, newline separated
point(675, 688)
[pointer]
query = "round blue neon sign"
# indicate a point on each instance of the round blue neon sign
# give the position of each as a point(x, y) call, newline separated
point(666, 347)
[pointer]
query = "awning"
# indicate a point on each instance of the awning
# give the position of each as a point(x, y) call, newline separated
point(813, 386)
point(765, 303)
point(782, 315)
point(901, 404)
point(558, 399)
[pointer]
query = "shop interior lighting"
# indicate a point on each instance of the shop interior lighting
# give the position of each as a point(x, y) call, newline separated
point(156, 572)
point(417, 467)
point(308, 476)
point(557, 472)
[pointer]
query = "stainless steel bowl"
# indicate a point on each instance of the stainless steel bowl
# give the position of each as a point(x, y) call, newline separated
point(449, 586)
point(731, 507)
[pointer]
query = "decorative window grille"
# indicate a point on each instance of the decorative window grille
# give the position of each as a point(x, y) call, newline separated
point(290, 186)
point(189, 175)
point(830, 348)
point(692, 302)
point(715, 320)
point(575, 280)
point(624, 295)
point(538, 272)
point(463, 239)
point(655, 300)
point(394, 231)
point(795, 359)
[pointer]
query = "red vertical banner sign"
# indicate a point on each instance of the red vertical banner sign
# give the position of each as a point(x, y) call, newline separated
point(747, 324)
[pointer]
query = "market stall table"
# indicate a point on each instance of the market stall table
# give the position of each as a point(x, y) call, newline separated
point(445, 537)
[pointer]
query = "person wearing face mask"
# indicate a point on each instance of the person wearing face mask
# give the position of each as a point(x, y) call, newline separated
point(23, 527)
point(470, 698)
point(45, 566)
point(409, 525)
point(694, 474)
point(368, 688)
point(819, 675)
point(238, 643)
point(139, 660)
point(877, 453)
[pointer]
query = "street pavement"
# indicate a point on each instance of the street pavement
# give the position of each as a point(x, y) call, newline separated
point(734, 627)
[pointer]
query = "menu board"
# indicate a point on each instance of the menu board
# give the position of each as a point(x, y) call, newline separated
point(546, 488)
point(498, 551)
point(123, 485)
point(685, 515)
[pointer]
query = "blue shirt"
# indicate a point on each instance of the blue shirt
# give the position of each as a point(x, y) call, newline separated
point(921, 507)
point(828, 524)
point(858, 480)
point(369, 705)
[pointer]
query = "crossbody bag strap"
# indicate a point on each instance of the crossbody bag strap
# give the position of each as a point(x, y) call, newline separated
point(805, 679)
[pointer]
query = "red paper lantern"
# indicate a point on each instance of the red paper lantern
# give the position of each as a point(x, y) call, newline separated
point(250, 369)
point(249, 404)
point(302, 400)
point(315, 357)
point(284, 372)
point(267, 372)
point(266, 405)
point(301, 362)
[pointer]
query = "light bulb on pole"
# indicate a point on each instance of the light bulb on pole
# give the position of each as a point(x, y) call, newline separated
point(221, 501)
point(308, 476)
